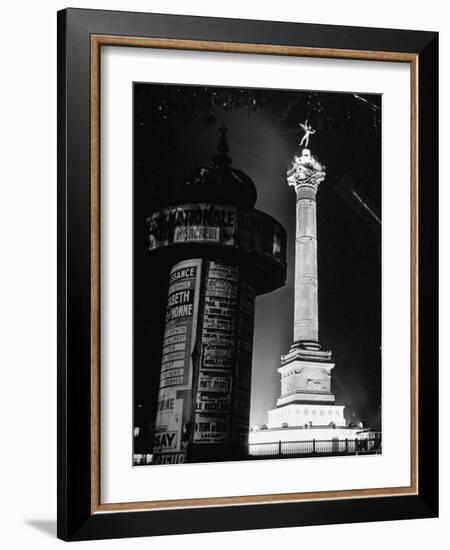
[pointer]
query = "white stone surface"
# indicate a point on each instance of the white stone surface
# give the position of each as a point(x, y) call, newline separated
point(307, 380)
point(305, 175)
point(299, 414)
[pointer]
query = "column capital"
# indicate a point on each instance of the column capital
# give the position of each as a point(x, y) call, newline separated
point(306, 172)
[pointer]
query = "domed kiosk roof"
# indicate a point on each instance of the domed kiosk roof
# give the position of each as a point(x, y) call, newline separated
point(220, 183)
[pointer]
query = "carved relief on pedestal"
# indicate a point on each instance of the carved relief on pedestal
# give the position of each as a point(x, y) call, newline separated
point(305, 377)
point(314, 386)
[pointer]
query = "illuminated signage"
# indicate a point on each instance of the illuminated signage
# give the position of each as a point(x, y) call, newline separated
point(249, 230)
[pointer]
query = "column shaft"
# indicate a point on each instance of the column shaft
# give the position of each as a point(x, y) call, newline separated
point(306, 320)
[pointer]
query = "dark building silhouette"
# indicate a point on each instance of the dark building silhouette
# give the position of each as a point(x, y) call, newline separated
point(220, 253)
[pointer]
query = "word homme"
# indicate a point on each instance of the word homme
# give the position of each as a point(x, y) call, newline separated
point(180, 304)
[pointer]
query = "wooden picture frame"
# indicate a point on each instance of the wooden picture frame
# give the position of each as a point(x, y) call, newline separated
point(81, 35)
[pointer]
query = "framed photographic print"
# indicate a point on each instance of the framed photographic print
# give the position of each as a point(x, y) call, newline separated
point(247, 274)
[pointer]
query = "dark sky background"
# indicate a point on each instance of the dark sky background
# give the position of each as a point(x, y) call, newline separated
point(176, 130)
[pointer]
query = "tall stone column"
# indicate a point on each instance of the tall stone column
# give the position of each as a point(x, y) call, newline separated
point(306, 369)
point(306, 399)
point(305, 176)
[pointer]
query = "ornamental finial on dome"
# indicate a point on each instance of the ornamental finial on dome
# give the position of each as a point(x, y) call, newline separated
point(220, 183)
point(221, 158)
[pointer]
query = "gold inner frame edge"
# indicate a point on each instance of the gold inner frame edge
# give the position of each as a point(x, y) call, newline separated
point(97, 41)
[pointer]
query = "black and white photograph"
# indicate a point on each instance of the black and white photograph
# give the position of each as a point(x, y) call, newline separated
point(256, 274)
point(224, 281)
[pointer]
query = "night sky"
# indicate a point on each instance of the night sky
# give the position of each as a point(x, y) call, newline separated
point(176, 130)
